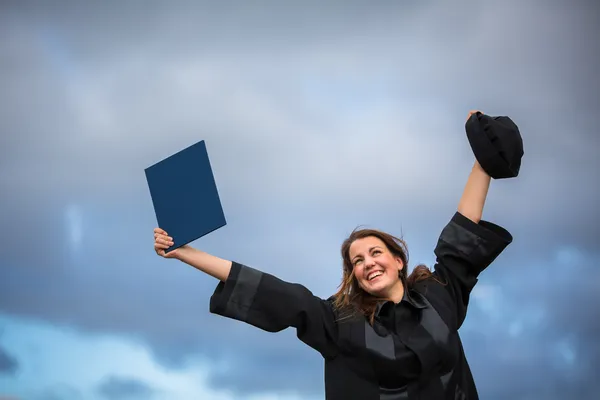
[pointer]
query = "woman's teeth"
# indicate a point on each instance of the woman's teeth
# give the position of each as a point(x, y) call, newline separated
point(374, 275)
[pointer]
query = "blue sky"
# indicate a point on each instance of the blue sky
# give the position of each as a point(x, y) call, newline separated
point(317, 118)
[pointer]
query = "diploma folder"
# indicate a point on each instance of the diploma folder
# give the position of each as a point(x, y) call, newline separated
point(184, 195)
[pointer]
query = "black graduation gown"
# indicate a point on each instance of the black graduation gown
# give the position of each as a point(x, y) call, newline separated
point(412, 351)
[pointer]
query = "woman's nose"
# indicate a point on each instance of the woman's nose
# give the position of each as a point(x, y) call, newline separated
point(369, 262)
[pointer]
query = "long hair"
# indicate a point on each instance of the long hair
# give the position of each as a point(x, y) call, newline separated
point(351, 297)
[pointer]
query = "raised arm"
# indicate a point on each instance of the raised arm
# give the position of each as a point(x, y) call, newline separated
point(468, 244)
point(473, 198)
point(260, 299)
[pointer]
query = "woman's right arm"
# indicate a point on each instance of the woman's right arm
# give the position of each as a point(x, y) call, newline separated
point(261, 299)
point(207, 263)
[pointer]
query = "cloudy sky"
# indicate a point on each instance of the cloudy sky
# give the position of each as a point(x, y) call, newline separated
point(318, 117)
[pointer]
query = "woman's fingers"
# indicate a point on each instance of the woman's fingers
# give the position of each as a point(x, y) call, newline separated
point(162, 241)
point(161, 236)
point(473, 112)
point(165, 238)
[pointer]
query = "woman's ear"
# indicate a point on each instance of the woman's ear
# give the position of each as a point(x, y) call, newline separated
point(400, 263)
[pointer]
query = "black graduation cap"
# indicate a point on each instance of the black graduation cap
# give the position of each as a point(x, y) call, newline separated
point(496, 143)
point(184, 194)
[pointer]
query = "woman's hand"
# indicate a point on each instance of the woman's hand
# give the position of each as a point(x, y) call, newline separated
point(163, 241)
point(468, 117)
point(472, 112)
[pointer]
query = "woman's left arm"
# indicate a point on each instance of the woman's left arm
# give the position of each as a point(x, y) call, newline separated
point(473, 198)
point(468, 244)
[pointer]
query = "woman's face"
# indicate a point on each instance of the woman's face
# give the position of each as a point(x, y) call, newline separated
point(375, 267)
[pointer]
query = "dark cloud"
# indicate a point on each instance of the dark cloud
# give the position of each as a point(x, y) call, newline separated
point(317, 120)
point(123, 388)
point(97, 98)
point(536, 321)
point(8, 364)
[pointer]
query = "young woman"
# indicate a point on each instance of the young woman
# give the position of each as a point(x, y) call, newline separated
point(384, 334)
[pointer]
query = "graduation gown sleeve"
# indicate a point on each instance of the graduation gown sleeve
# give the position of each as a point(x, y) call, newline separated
point(464, 249)
point(271, 304)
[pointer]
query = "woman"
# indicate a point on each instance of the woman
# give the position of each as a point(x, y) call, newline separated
point(383, 335)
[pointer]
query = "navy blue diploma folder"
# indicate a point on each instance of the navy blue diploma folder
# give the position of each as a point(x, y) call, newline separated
point(184, 194)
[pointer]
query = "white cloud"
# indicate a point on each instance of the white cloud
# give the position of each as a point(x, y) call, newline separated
point(51, 356)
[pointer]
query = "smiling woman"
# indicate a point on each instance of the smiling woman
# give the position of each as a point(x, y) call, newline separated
point(384, 334)
point(374, 271)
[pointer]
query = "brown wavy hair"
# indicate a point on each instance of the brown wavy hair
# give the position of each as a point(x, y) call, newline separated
point(353, 299)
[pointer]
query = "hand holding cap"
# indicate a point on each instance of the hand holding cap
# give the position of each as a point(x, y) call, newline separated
point(496, 143)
